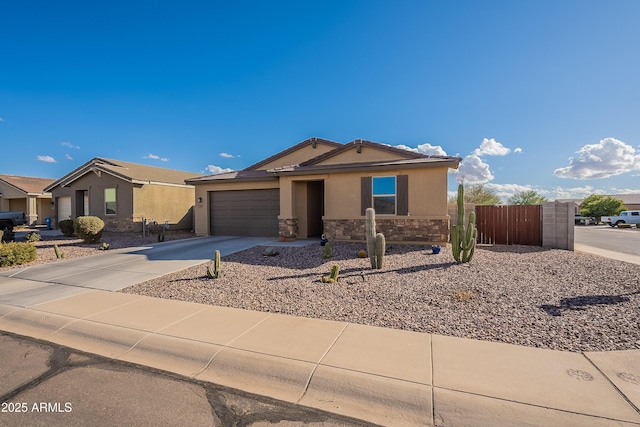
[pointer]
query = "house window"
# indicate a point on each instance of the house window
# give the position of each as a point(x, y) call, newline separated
point(384, 195)
point(110, 201)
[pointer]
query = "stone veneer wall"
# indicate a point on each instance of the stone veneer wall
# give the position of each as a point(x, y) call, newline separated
point(288, 228)
point(411, 230)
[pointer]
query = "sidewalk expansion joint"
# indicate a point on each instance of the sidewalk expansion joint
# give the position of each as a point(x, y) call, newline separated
point(228, 345)
point(313, 371)
point(624, 396)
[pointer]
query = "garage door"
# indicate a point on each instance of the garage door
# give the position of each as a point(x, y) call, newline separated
point(64, 208)
point(244, 212)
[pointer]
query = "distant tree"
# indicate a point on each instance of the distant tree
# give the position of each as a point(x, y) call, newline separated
point(528, 197)
point(597, 205)
point(478, 195)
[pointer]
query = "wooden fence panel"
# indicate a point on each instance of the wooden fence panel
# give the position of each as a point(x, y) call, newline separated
point(509, 225)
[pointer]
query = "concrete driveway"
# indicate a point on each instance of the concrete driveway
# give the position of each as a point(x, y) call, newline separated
point(116, 269)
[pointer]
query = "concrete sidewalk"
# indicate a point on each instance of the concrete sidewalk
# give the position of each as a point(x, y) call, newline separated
point(383, 376)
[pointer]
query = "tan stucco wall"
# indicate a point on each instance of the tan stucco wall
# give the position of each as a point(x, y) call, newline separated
point(201, 209)
point(300, 206)
point(427, 192)
point(9, 192)
point(165, 203)
point(303, 154)
point(367, 154)
point(19, 205)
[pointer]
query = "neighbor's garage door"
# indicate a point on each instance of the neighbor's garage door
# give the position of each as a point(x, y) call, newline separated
point(64, 208)
point(245, 212)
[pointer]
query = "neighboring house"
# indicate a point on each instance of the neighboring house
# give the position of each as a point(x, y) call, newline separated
point(125, 195)
point(320, 186)
point(631, 201)
point(26, 194)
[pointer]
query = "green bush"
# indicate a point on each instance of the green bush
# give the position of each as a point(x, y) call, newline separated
point(33, 236)
point(66, 226)
point(16, 254)
point(7, 236)
point(88, 228)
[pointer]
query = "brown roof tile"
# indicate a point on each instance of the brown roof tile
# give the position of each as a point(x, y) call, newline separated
point(27, 184)
point(127, 171)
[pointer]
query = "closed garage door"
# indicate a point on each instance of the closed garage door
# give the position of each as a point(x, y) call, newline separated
point(245, 212)
point(64, 208)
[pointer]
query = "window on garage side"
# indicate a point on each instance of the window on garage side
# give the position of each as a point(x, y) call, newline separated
point(384, 195)
point(110, 201)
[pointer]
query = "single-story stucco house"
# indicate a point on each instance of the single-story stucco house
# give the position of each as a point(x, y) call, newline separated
point(26, 194)
point(324, 187)
point(124, 195)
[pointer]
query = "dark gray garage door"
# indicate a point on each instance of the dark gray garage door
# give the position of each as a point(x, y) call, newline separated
point(245, 212)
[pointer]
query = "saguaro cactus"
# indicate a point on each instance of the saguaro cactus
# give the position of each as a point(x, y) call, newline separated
point(376, 243)
point(216, 272)
point(463, 240)
point(371, 235)
point(381, 246)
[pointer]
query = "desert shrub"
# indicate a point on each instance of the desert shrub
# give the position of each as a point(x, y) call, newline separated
point(16, 254)
point(88, 228)
point(66, 226)
point(7, 236)
point(33, 236)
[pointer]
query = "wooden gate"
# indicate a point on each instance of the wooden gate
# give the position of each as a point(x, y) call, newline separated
point(509, 225)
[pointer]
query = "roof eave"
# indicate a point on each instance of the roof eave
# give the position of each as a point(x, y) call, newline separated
point(212, 180)
point(357, 167)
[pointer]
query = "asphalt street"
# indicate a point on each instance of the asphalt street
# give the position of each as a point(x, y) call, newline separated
point(44, 384)
point(614, 239)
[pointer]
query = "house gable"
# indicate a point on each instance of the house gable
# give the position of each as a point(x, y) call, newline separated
point(299, 153)
point(360, 151)
point(130, 172)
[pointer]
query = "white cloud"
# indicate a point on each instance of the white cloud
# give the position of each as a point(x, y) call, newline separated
point(427, 149)
point(1, 119)
point(154, 157)
point(212, 169)
point(472, 170)
point(46, 159)
point(608, 158)
point(573, 192)
point(517, 150)
point(615, 190)
point(227, 155)
point(491, 147)
point(70, 145)
point(68, 156)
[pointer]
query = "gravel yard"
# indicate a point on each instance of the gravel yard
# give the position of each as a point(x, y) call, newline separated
point(73, 247)
point(522, 295)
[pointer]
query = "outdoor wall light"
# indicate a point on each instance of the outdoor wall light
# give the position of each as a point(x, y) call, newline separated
point(199, 199)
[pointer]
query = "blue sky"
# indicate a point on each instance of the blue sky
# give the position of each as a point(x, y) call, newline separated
point(541, 95)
